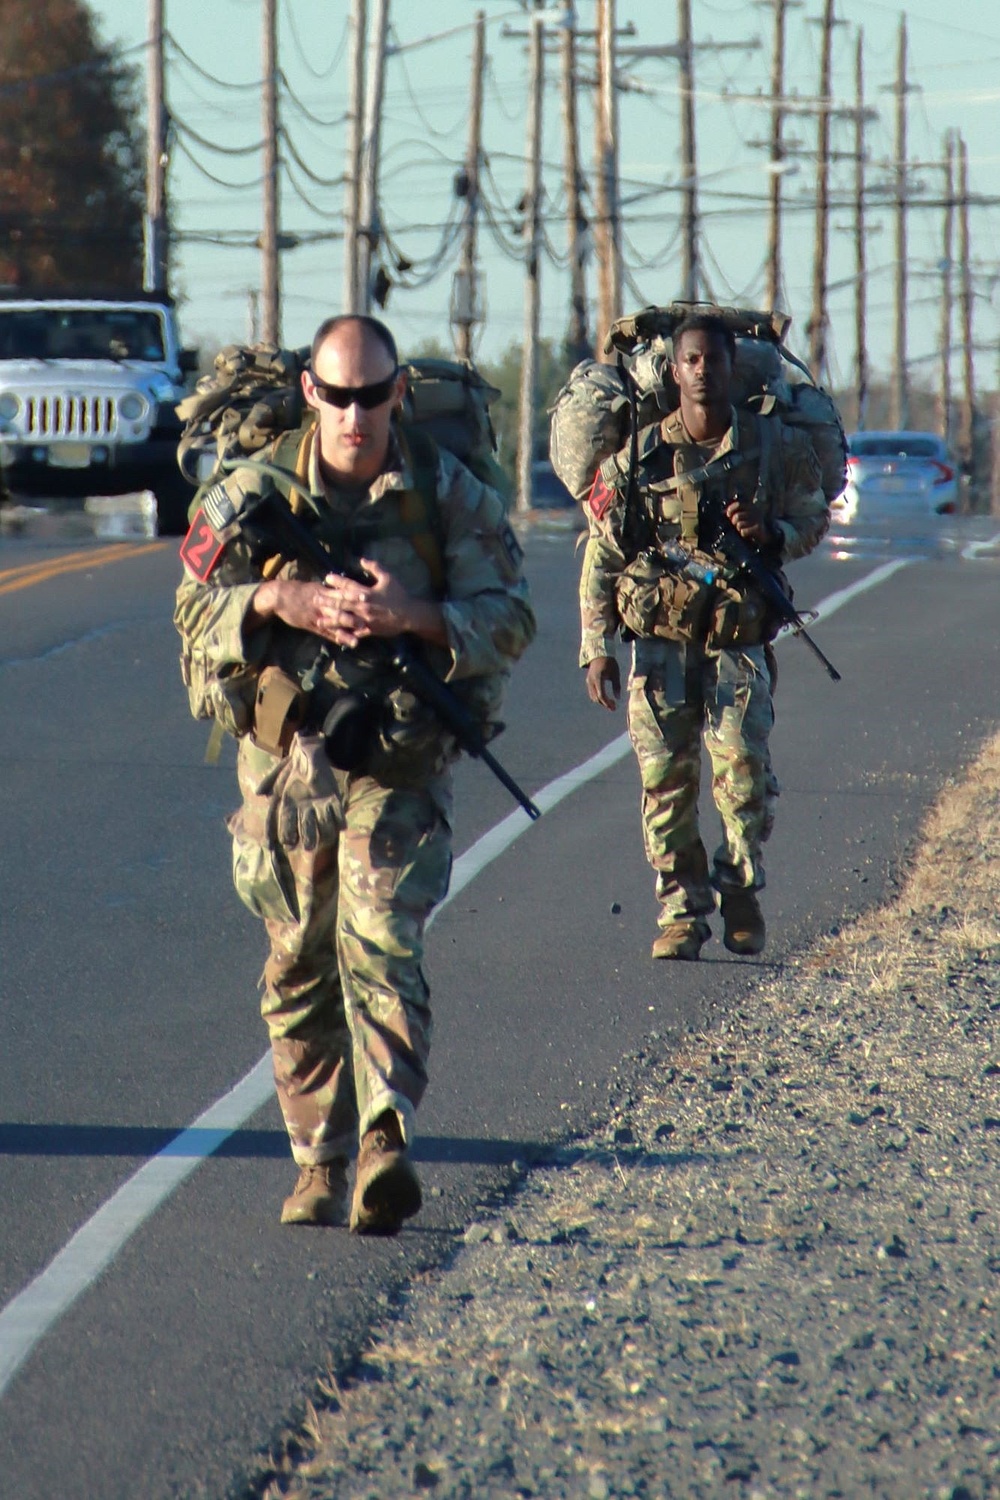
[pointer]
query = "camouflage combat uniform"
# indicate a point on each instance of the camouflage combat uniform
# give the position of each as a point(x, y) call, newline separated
point(680, 691)
point(345, 867)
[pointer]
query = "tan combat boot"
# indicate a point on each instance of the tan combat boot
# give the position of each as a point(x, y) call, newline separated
point(744, 922)
point(386, 1186)
point(683, 939)
point(320, 1195)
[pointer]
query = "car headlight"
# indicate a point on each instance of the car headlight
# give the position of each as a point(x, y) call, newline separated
point(133, 406)
point(10, 405)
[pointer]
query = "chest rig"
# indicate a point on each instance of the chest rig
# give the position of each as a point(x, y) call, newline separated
point(677, 473)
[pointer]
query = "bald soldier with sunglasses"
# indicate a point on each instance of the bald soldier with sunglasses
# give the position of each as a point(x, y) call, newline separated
point(345, 866)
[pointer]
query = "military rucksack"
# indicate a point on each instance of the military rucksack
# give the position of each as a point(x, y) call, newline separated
point(254, 395)
point(591, 415)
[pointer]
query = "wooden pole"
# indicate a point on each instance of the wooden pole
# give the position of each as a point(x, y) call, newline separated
point(690, 278)
point(465, 298)
point(355, 137)
point(899, 390)
point(860, 231)
point(532, 250)
point(607, 225)
point(369, 226)
point(966, 431)
point(947, 288)
point(270, 285)
point(577, 345)
point(817, 320)
point(155, 277)
point(773, 292)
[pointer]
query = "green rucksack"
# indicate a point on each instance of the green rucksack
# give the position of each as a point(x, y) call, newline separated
point(591, 414)
point(255, 394)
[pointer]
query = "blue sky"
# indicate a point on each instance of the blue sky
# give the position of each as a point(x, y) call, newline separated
point(212, 93)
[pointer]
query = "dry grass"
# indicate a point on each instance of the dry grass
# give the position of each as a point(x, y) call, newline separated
point(793, 1291)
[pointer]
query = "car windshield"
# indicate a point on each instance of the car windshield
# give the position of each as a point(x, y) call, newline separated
point(890, 446)
point(80, 333)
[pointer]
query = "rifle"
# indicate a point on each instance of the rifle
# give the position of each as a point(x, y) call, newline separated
point(400, 655)
point(747, 559)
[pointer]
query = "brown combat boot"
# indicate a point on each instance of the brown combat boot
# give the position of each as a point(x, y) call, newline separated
point(320, 1195)
point(386, 1187)
point(683, 939)
point(744, 922)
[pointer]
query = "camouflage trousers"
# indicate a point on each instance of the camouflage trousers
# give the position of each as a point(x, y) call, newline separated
point(680, 695)
point(344, 872)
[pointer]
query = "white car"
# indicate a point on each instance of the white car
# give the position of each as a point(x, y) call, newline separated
point(898, 474)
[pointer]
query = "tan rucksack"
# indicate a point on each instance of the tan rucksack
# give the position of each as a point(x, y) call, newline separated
point(590, 417)
point(255, 394)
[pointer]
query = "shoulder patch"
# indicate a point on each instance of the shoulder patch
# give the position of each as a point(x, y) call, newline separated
point(601, 496)
point(218, 507)
point(201, 548)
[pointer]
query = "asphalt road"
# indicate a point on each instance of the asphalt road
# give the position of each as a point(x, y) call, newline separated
point(128, 974)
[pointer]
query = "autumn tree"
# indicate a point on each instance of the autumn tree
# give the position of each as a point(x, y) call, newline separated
point(71, 154)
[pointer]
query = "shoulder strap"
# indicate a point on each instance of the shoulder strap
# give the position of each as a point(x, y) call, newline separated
point(419, 506)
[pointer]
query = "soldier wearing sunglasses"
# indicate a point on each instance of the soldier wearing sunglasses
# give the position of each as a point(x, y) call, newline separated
point(346, 866)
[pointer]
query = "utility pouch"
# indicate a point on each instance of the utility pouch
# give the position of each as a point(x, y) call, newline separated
point(279, 711)
point(350, 728)
point(656, 599)
point(743, 617)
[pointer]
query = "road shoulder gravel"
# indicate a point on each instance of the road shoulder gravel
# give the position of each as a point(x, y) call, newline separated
point(774, 1271)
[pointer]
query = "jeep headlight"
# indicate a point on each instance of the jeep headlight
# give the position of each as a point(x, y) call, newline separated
point(10, 405)
point(133, 406)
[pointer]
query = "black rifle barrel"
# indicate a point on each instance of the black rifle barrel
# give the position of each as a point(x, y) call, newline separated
point(401, 652)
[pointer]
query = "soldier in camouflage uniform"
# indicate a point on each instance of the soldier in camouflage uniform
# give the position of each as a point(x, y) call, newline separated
point(701, 668)
point(345, 866)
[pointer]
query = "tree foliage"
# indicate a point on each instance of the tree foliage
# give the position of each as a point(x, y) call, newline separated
point(71, 168)
point(505, 374)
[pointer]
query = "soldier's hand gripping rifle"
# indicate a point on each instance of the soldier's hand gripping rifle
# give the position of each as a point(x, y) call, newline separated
point(273, 519)
point(747, 559)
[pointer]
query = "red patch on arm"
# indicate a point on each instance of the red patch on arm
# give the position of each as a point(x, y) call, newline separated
point(201, 548)
point(600, 497)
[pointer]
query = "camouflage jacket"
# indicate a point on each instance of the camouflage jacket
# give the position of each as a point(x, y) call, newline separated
point(467, 542)
point(780, 473)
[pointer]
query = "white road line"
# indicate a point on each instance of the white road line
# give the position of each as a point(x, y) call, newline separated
point(972, 551)
point(29, 1315)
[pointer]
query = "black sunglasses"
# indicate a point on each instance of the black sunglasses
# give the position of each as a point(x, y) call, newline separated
point(366, 396)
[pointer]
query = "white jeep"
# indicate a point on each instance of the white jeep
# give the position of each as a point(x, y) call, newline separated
point(88, 388)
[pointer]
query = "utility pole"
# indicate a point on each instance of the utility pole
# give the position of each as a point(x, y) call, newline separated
point(369, 225)
point(577, 346)
point(270, 281)
point(818, 317)
point(860, 247)
point(689, 187)
point(947, 287)
point(966, 430)
point(532, 249)
point(777, 158)
point(466, 304)
point(899, 390)
point(607, 225)
point(355, 115)
point(155, 263)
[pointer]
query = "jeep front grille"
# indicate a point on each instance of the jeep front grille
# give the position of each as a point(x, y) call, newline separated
point(70, 417)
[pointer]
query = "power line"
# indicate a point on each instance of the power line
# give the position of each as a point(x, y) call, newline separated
point(323, 73)
point(222, 83)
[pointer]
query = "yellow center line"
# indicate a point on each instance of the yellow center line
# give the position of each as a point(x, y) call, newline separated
point(15, 579)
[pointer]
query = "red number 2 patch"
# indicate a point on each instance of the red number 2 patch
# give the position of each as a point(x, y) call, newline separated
point(600, 497)
point(201, 548)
